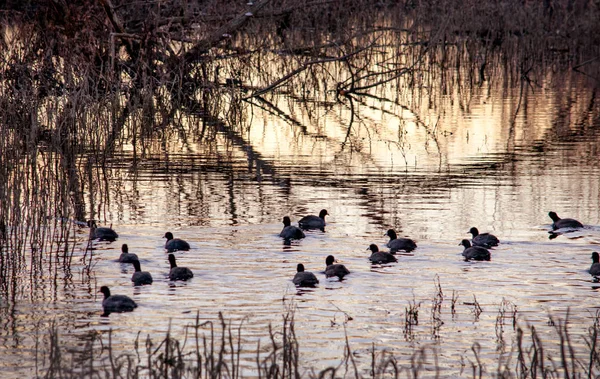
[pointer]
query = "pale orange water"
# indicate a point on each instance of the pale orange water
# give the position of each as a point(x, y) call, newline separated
point(476, 168)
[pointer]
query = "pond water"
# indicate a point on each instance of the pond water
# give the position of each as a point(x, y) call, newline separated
point(430, 175)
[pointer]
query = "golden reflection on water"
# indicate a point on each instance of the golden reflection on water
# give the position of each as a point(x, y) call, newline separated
point(430, 173)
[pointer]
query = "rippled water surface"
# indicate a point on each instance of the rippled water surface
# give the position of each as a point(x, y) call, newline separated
point(430, 176)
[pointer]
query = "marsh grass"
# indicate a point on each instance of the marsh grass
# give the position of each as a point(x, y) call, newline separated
point(436, 309)
point(215, 350)
point(411, 318)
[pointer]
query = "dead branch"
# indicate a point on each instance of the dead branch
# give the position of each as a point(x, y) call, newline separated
point(303, 67)
point(223, 32)
point(117, 24)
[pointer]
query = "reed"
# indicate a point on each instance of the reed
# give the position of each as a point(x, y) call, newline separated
point(411, 318)
point(436, 308)
point(209, 350)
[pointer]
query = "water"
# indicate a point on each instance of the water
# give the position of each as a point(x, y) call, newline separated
point(393, 170)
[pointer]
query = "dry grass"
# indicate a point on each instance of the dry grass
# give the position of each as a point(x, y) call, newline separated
point(215, 351)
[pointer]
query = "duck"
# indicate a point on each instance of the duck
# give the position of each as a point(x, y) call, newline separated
point(380, 256)
point(101, 233)
point(116, 303)
point(395, 244)
point(559, 223)
point(175, 244)
point(126, 256)
point(331, 269)
point(139, 277)
point(179, 273)
point(595, 268)
point(304, 278)
point(313, 222)
point(486, 240)
point(290, 231)
point(475, 253)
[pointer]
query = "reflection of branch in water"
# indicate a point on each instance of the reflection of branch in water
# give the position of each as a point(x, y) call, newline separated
point(430, 132)
point(305, 66)
point(349, 123)
point(395, 74)
point(317, 136)
point(255, 159)
point(199, 50)
point(276, 111)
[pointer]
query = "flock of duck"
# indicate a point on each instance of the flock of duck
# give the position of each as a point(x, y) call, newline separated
point(476, 249)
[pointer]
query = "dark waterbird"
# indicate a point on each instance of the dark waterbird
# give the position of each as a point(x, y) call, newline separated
point(126, 256)
point(332, 269)
point(486, 240)
point(380, 256)
point(116, 303)
point(290, 231)
point(139, 277)
point(179, 273)
point(559, 223)
point(474, 253)
point(175, 244)
point(595, 268)
point(314, 222)
point(396, 244)
point(101, 233)
point(304, 278)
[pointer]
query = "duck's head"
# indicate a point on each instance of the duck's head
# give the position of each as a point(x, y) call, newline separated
point(373, 248)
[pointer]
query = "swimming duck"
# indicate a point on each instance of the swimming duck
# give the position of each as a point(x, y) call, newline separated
point(139, 277)
point(559, 223)
point(380, 256)
point(486, 240)
point(304, 278)
point(116, 303)
point(289, 231)
point(179, 273)
point(475, 253)
point(331, 269)
point(314, 222)
point(101, 233)
point(175, 244)
point(126, 256)
point(395, 244)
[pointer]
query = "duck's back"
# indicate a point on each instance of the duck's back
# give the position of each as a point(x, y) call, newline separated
point(105, 234)
point(338, 270)
point(140, 278)
point(305, 279)
point(311, 222)
point(566, 223)
point(486, 240)
point(292, 232)
point(476, 253)
point(128, 258)
point(398, 244)
point(382, 257)
point(181, 273)
point(118, 303)
point(177, 244)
